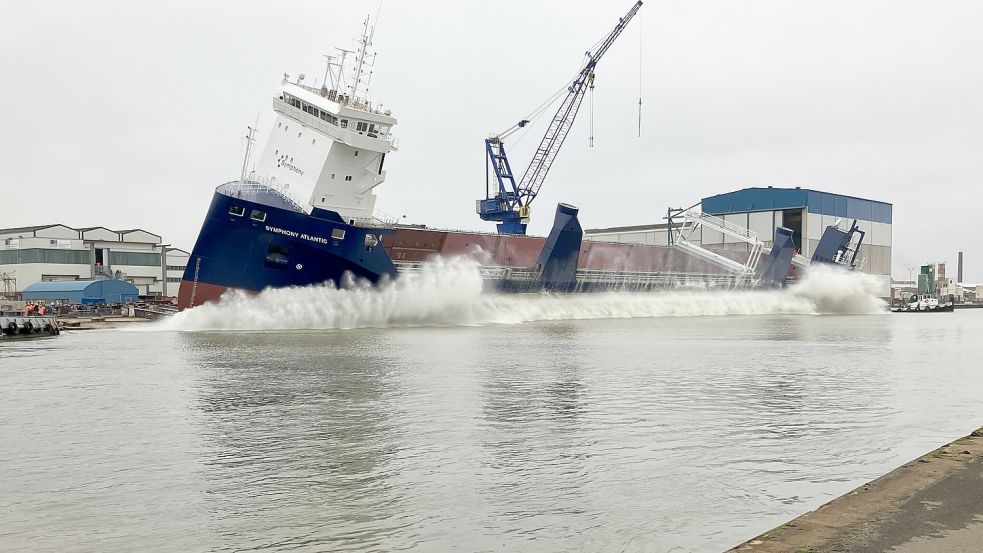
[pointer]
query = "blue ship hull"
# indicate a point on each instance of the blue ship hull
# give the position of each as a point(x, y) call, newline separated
point(254, 238)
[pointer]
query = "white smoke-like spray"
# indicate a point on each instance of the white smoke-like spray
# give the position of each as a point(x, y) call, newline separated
point(449, 293)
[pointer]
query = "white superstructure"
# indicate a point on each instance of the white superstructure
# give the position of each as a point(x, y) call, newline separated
point(329, 139)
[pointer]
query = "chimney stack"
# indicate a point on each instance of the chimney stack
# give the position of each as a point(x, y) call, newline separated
point(959, 268)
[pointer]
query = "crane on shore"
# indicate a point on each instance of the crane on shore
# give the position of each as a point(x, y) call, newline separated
point(508, 202)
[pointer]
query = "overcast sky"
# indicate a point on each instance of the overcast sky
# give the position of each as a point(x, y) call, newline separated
point(128, 114)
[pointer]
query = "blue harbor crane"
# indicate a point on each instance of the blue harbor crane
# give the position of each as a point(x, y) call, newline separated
point(509, 204)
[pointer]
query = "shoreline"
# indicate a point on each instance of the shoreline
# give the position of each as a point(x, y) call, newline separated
point(70, 324)
point(932, 503)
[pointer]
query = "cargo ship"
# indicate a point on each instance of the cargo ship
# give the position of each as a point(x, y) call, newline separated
point(331, 140)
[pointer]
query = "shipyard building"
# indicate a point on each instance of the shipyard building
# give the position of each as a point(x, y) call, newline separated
point(51, 253)
point(805, 212)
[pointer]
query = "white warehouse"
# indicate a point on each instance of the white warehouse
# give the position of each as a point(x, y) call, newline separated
point(805, 212)
point(58, 252)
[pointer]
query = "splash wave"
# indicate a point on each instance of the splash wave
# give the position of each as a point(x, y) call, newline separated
point(449, 293)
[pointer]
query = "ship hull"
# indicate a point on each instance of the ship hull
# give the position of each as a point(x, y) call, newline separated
point(250, 244)
point(290, 247)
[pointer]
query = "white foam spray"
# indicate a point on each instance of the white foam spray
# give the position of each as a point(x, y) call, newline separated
point(449, 293)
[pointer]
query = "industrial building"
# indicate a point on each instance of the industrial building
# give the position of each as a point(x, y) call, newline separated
point(82, 292)
point(57, 252)
point(805, 212)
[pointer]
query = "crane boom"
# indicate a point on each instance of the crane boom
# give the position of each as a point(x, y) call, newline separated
point(535, 174)
point(510, 206)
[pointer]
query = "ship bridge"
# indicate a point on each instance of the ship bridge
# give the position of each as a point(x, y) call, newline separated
point(341, 116)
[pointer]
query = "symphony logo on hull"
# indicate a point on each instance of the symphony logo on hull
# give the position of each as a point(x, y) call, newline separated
point(284, 161)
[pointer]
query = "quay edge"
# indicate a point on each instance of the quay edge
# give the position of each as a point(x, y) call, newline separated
point(932, 503)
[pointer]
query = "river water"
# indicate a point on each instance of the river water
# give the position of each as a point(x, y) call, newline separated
point(578, 426)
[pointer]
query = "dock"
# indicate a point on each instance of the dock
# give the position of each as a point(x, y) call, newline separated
point(931, 504)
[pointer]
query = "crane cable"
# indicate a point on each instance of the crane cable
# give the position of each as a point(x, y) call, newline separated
point(590, 140)
point(639, 75)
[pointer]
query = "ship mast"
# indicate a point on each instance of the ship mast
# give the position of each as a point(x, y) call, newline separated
point(362, 60)
point(250, 140)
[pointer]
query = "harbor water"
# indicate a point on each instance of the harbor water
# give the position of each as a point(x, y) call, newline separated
point(377, 420)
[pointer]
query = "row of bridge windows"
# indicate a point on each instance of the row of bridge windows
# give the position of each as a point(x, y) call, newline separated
point(361, 127)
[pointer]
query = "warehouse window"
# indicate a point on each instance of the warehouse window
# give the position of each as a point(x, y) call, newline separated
point(258, 216)
point(139, 259)
point(41, 255)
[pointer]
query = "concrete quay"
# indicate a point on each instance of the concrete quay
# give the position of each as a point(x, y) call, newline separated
point(929, 505)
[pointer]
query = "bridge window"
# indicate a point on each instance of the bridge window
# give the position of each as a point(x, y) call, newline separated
point(344, 123)
point(237, 211)
point(258, 216)
point(338, 234)
point(329, 118)
point(348, 177)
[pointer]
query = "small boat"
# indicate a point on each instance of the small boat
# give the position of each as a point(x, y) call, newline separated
point(925, 303)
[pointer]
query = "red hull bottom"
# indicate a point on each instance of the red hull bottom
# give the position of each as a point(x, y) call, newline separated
point(191, 295)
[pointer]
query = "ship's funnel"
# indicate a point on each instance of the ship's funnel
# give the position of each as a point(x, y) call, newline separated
point(559, 257)
point(779, 261)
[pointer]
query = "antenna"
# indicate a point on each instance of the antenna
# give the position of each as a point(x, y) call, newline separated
point(361, 58)
point(336, 68)
point(250, 139)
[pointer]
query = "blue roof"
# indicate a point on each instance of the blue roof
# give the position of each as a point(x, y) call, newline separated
point(60, 286)
point(814, 201)
point(88, 288)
